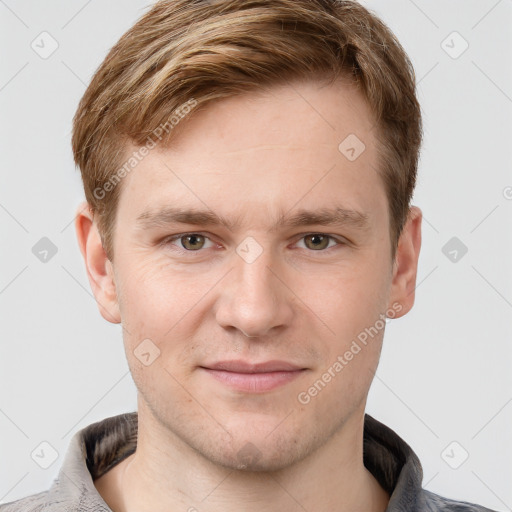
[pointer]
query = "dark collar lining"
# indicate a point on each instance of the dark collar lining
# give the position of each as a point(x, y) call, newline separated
point(385, 454)
point(108, 442)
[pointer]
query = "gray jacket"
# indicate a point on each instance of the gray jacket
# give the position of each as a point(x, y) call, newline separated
point(100, 446)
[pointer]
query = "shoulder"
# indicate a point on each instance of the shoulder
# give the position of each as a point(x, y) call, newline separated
point(436, 503)
point(33, 503)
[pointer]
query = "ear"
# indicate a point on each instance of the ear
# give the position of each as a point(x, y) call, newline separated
point(99, 268)
point(405, 265)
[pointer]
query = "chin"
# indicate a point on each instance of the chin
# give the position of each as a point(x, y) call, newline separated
point(260, 451)
point(250, 459)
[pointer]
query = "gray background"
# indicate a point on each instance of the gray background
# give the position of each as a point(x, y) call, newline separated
point(445, 372)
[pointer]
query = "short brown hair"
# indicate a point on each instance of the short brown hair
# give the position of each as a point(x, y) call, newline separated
point(207, 50)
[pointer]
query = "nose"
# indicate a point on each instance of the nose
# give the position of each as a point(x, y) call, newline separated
point(254, 298)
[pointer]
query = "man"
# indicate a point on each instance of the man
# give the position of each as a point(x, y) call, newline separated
point(248, 168)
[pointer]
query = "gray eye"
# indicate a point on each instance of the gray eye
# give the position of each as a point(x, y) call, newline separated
point(316, 241)
point(192, 242)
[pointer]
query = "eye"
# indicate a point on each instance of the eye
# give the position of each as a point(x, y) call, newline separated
point(191, 241)
point(319, 241)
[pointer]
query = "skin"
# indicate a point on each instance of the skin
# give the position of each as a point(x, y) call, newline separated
point(250, 158)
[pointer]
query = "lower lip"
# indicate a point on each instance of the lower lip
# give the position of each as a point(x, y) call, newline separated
point(254, 382)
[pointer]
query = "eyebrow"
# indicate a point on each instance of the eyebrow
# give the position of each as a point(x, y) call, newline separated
point(170, 215)
point(338, 216)
point(325, 217)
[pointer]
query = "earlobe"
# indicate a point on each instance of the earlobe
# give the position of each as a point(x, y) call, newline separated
point(98, 266)
point(405, 266)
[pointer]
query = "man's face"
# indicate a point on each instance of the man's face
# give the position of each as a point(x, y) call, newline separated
point(263, 289)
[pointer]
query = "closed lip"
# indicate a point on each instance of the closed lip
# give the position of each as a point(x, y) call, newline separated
point(240, 366)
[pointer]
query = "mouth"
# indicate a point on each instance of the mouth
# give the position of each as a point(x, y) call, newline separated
point(253, 377)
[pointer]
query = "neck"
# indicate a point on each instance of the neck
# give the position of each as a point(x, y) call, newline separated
point(165, 474)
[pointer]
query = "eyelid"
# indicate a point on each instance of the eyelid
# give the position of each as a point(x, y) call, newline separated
point(339, 240)
point(172, 238)
point(207, 236)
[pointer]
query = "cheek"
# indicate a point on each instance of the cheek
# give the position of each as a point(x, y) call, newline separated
point(167, 308)
point(349, 299)
point(351, 303)
point(149, 296)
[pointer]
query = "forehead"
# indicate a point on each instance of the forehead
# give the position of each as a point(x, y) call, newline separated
point(292, 141)
point(297, 114)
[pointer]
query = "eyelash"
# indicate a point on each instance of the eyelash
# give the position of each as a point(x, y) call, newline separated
point(168, 241)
